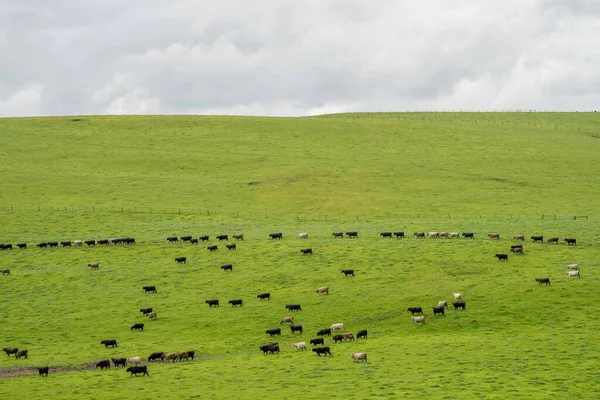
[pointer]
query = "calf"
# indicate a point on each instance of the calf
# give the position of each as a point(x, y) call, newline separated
point(137, 327)
point(347, 272)
point(362, 357)
point(553, 240)
point(212, 303)
point(352, 234)
point(231, 246)
point(415, 310)
point(317, 341)
point(545, 281)
point(119, 362)
point(277, 235)
point(537, 239)
point(181, 260)
point(322, 350)
point(494, 236)
point(386, 234)
point(438, 310)
point(171, 239)
point(399, 235)
point(361, 333)
point(337, 234)
point(459, 304)
point(323, 290)
point(263, 296)
point(110, 342)
point(227, 267)
point(149, 289)
point(338, 338)
point(571, 241)
point(502, 257)
point(156, 356)
point(293, 307)
point(222, 237)
point(23, 353)
point(306, 251)
point(296, 328)
point(43, 371)
point(235, 303)
point(239, 236)
point(273, 332)
point(324, 332)
point(103, 364)
point(213, 248)
point(141, 369)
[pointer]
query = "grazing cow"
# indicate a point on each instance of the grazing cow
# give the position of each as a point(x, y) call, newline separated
point(277, 235)
point(212, 303)
point(239, 236)
point(296, 328)
point(5, 271)
point(22, 245)
point(348, 336)
point(134, 361)
point(94, 265)
point(459, 304)
point(418, 320)
point(571, 241)
point(361, 333)
point(386, 234)
point(151, 315)
point(573, 266)
point(213, 248)
point(227, 267)
point(204, 238)
point(235, 303)
point(420, 235)
point(337, 327)
point(303, 235)
point(415, 310)
point(433, 234)
point(149, 289)
point(494, 236)
point(194, 241)
point(323, 289)
point(66, 243)
point(181, 260)
point(119, 362)
point(519, 237)
point(90, 242)
point(186, 238)
point(457, 297)
point(156, 356)
point(545, 281)
point(231, 246)
point(338, 338)
point(172, 239)
point(273, 332)
point(23, 353)
point(110, 342)
point(146, 310)
point(317, 341)
point(322, 350)
point(438, 310)
point(337, 234)
point(306, 251)
point(293, 307)
point(143, 369)
point(137, 327)
point(347, 272)
point(573, 273)
point(222, 237)
point(286, 320)
point(443, 303)
point(553, 240)
point(103, 364)
point(352, 234)
point(537, 239)
point(263, 296)
point(324, 332)
point(42, 245)
point(362, 357)
point(43, 371)
point(502, 257)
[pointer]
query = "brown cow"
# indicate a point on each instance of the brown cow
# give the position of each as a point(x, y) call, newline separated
point(519, 237)
point(323, 289)
point(94, 265)
point(5, 271)
point(494, 236)
point(10, 350)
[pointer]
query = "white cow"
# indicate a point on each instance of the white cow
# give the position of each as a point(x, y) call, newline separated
point(300, 345)
point(454, 235)
point(573, 273)
point(458, 297)
point(303, 235)
point(443, 303)
point(133, 360)
point(418, 320)
point(573, 266)
point(337, 327)
point(362, 357)
point(433, 234)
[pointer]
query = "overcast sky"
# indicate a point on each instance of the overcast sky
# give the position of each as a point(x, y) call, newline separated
point(301, 57)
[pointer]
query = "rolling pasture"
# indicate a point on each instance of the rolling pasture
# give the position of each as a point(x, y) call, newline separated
point(472, 172)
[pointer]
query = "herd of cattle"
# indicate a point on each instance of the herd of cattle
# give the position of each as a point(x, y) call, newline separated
point(417, 315)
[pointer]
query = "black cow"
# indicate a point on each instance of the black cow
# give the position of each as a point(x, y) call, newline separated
point(146, 310)
point(438, 310)
point(317, 341)
point(212, 303)
point(90, 242)
point(352, 234)
point(103, 364)
point(235, 303)
point(156, 356)
point(324, 332)
point(270, 348)
point(10, 350)
point(545, 281)
point(42, 245)
point(222, 237)
point(66, 243)
point(6, 246)
point(571, 241)
point(203, 238)
point(502, 257)
point(172, 239)
point(141, 369)
point(277, 235)
point(53, 244)
point(347, 272)
point(459, 304)
point(181, 260)
point(149, 289)
point(306, 251)
point(231, 246)
point(468, 235)
point(296, 328)
point(110, 342)
point(273, 332)
point(361, 333)
point(191, 354)
point(186, 238)
point(22, 353)
point(415, 310)
point(338, 338)
point(537, 239)
point(337, 234)
point(103, 242)
point(213, 248)
point(119, 362)
point(194, 241)
point(43, 371)
point(399, 235)
point(22, 245)
point(227, 267)
point(137, 327)
point(263, 296)
point(322, 350)
point(293, 307)
point(386, 234)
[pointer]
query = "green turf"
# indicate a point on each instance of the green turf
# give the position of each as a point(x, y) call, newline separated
point(365, 172)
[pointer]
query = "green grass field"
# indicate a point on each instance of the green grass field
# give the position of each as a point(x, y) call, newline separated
point(66, 180)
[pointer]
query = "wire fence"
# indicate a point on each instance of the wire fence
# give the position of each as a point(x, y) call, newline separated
point(287, 215)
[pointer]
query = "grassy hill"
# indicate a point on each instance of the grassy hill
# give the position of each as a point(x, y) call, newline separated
point(152, 177)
